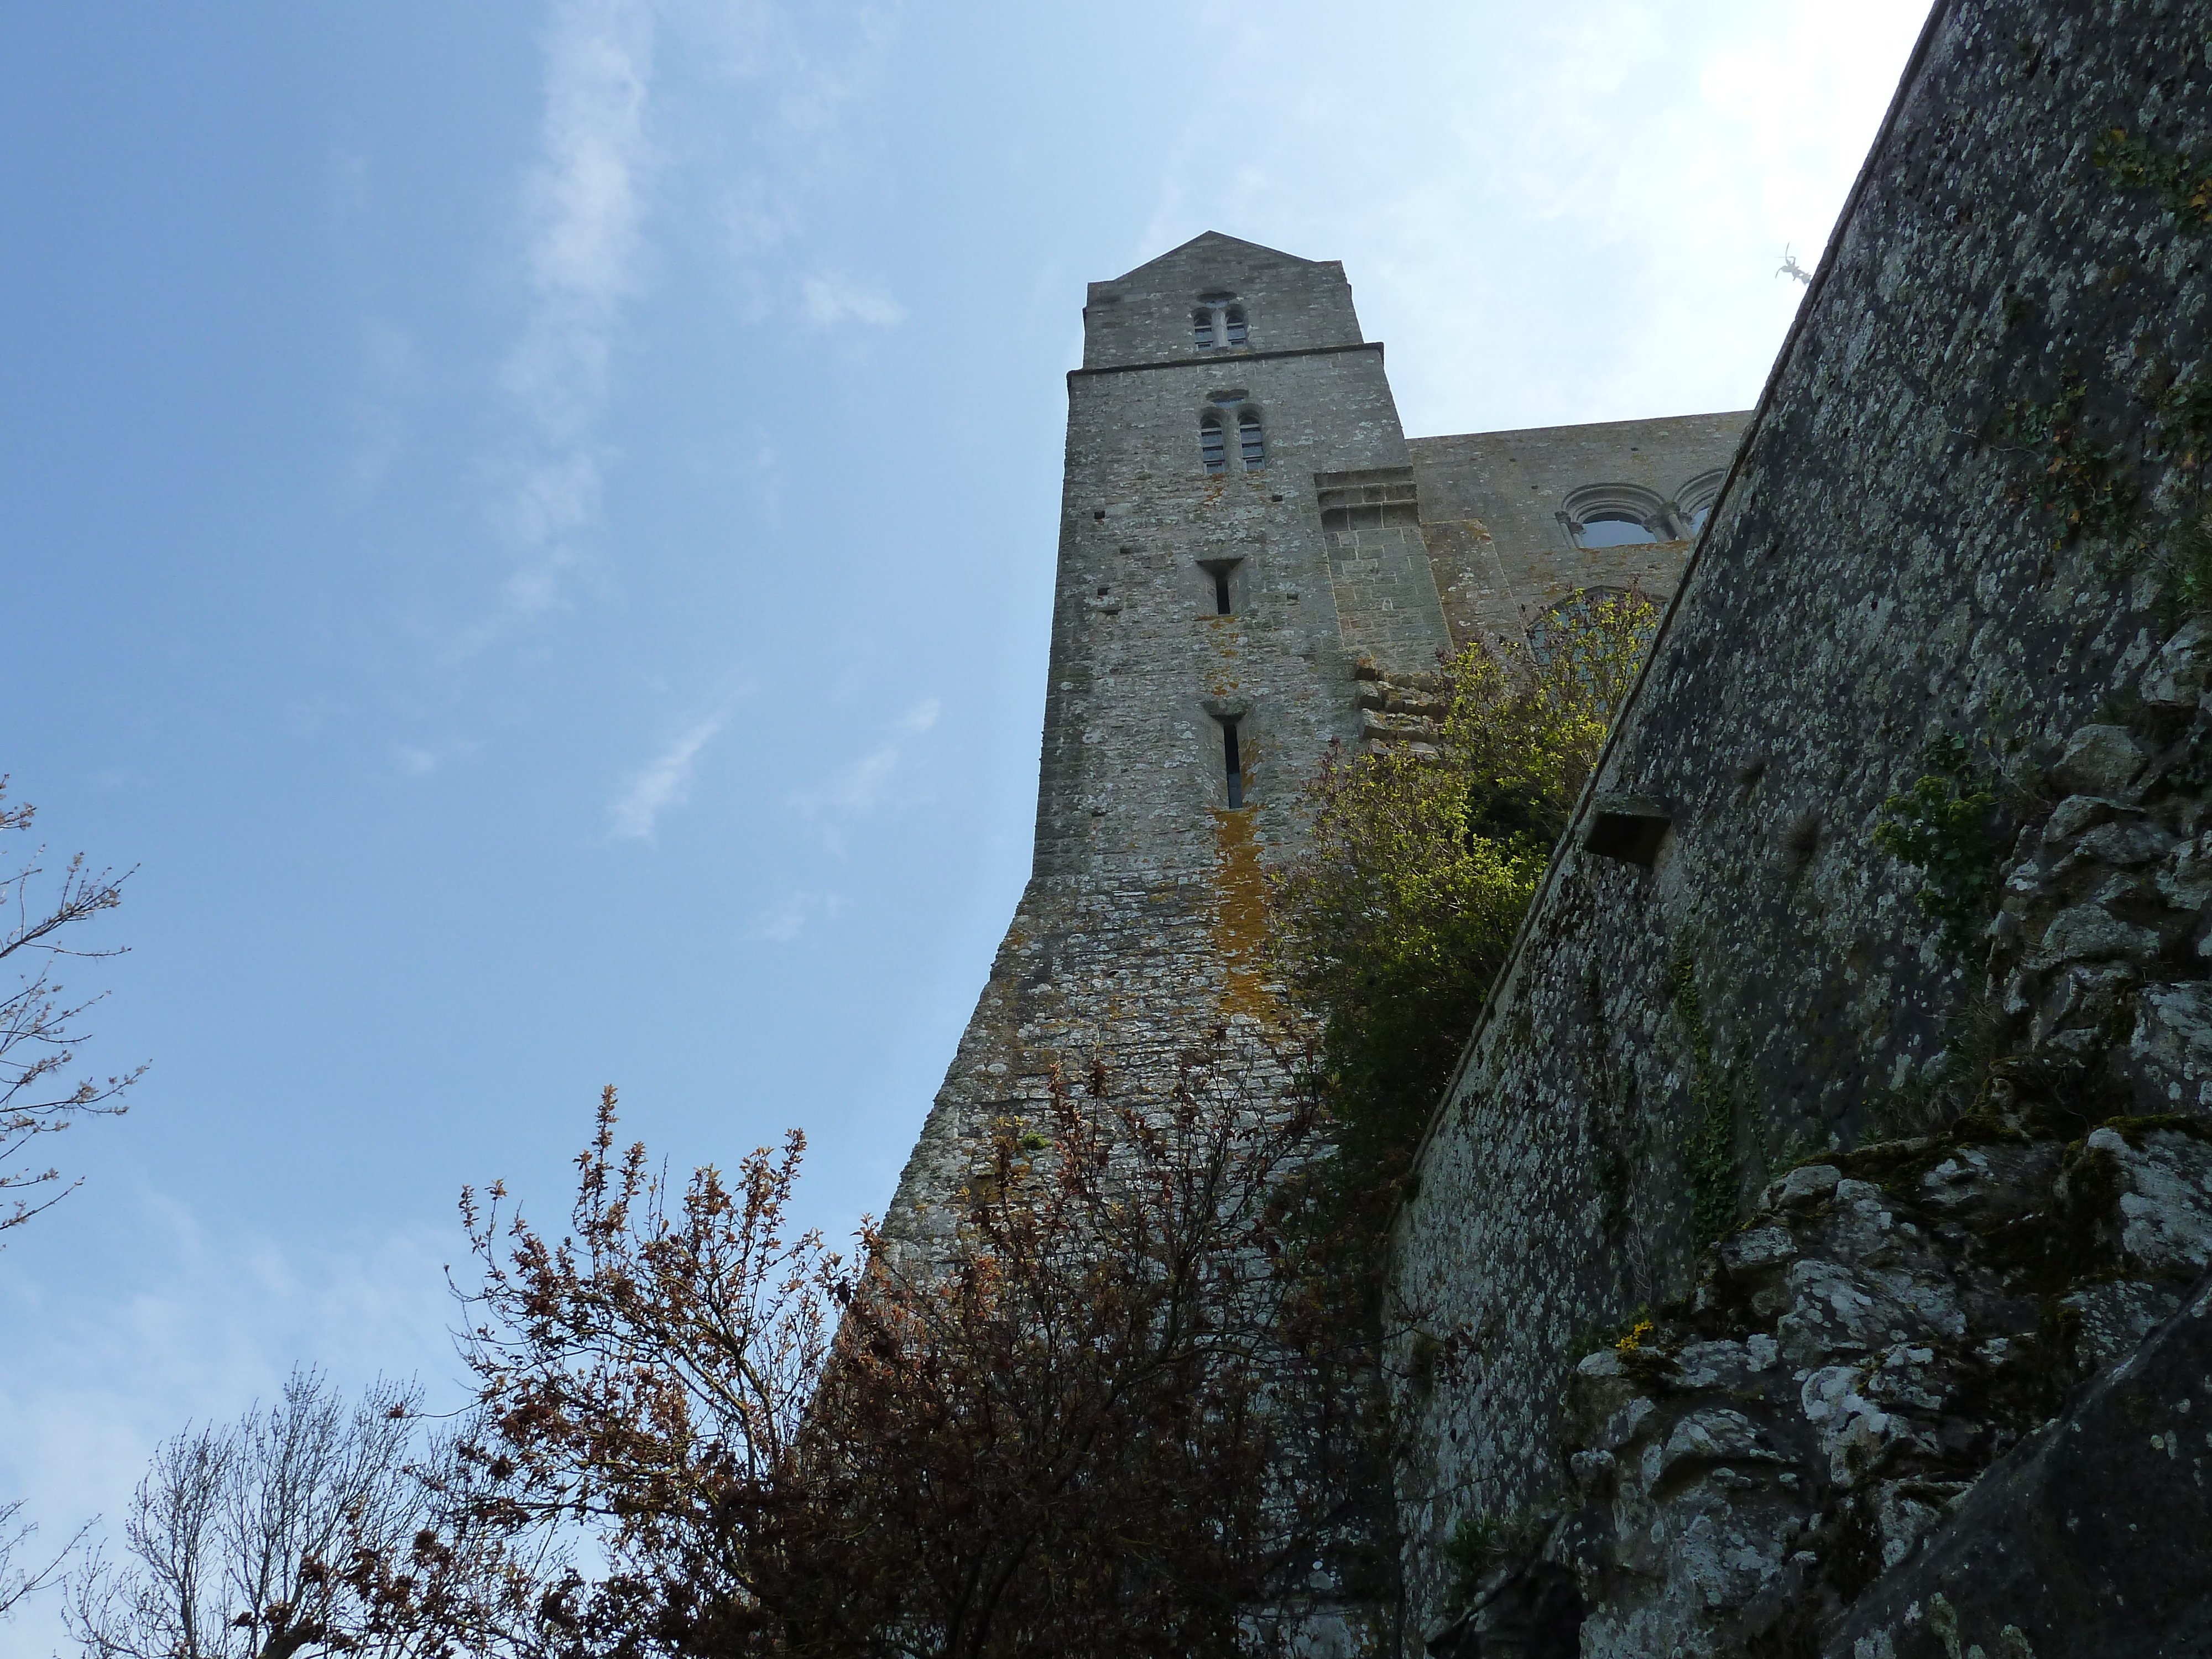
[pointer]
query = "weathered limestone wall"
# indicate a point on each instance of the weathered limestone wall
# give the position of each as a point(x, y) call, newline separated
point(1496, 506)
point(1139, 931)
point(1141, 923)
point(1996, 385)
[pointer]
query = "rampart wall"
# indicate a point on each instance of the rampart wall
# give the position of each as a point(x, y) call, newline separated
point(1946, 517)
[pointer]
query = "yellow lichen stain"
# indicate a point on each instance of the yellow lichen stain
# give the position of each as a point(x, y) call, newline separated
point(1240, 916)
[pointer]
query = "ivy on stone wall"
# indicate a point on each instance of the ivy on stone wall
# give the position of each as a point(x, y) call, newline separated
point(1945, 827)
point(2079, 481)
point(2183, 183)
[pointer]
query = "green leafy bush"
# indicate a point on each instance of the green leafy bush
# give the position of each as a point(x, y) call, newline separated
point(1390, 929)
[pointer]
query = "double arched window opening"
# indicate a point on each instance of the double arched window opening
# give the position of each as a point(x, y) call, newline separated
point(1214, 325)
point(1626, 515)
point(1213, 442)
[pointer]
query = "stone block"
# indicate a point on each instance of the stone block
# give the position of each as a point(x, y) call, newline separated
point(2099, 760)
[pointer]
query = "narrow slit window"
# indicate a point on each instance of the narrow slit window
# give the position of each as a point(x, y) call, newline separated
point(1234, 323)
point(1254, 443)
point(1236, 765)
point(1212, 447)
point(1201, 328)
point(1221, 592)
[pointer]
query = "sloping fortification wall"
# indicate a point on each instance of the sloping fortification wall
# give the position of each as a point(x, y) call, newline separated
point(1996, 382)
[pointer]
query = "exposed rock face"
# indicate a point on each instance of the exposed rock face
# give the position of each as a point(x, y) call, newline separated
point(2040, 1543)
point(1865, 1405)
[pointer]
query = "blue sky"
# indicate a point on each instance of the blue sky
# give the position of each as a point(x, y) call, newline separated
point(532, 526)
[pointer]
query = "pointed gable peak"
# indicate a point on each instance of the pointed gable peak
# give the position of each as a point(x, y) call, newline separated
point(1214, 244)
point(1214, 298)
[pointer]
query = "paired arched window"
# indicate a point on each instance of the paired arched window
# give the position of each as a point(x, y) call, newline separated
point(1212, 447)
point(1252, 440)
point(1214, 322)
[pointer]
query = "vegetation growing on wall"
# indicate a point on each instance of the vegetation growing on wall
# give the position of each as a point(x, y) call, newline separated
point(1945, 827)
point(1391, 928)
point(2182, 182)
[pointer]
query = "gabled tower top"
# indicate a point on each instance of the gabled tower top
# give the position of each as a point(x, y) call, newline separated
point(1216, 295)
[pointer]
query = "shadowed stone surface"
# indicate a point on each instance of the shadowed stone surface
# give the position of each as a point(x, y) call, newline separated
point(2095, 1537)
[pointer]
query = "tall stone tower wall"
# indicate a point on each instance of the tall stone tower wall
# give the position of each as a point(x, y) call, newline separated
point(1140, 927)
point(1242, 537)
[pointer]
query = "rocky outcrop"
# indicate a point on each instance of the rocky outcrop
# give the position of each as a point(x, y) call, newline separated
point(1871, 1429)
point(2039, 1545)
point(1752, 1470)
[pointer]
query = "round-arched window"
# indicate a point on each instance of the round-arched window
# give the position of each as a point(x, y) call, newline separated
point(1212, 447)
point(1561, 623)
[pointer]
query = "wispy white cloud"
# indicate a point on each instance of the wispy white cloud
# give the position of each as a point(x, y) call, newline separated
point(664, 781)
point(827, 301)
point(791, 914)
point(202, 1322)
point(584, 208)
point(1596, 236)
point(865, 783)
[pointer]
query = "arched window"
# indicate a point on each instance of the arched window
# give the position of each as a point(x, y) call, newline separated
point(1210, 447)
point(1560, 624)
point(1253, 442)
point(1235, 324)
point(1695, 499)
point(1201, 327)
point(1614, 515)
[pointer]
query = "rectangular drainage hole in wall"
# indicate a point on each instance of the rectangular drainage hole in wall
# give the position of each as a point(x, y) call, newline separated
point(1630, 835)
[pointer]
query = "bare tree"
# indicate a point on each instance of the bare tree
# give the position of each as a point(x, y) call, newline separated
point(16, 1583)
point(310, 1528)
point(38, 1030)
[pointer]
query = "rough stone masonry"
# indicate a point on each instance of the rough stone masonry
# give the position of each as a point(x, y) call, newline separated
point(1245, 533)
point(1797, 1267)
point(1238, 585)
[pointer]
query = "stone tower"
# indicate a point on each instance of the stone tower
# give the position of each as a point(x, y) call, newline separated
point(1202, 658)
point(1242, 533)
